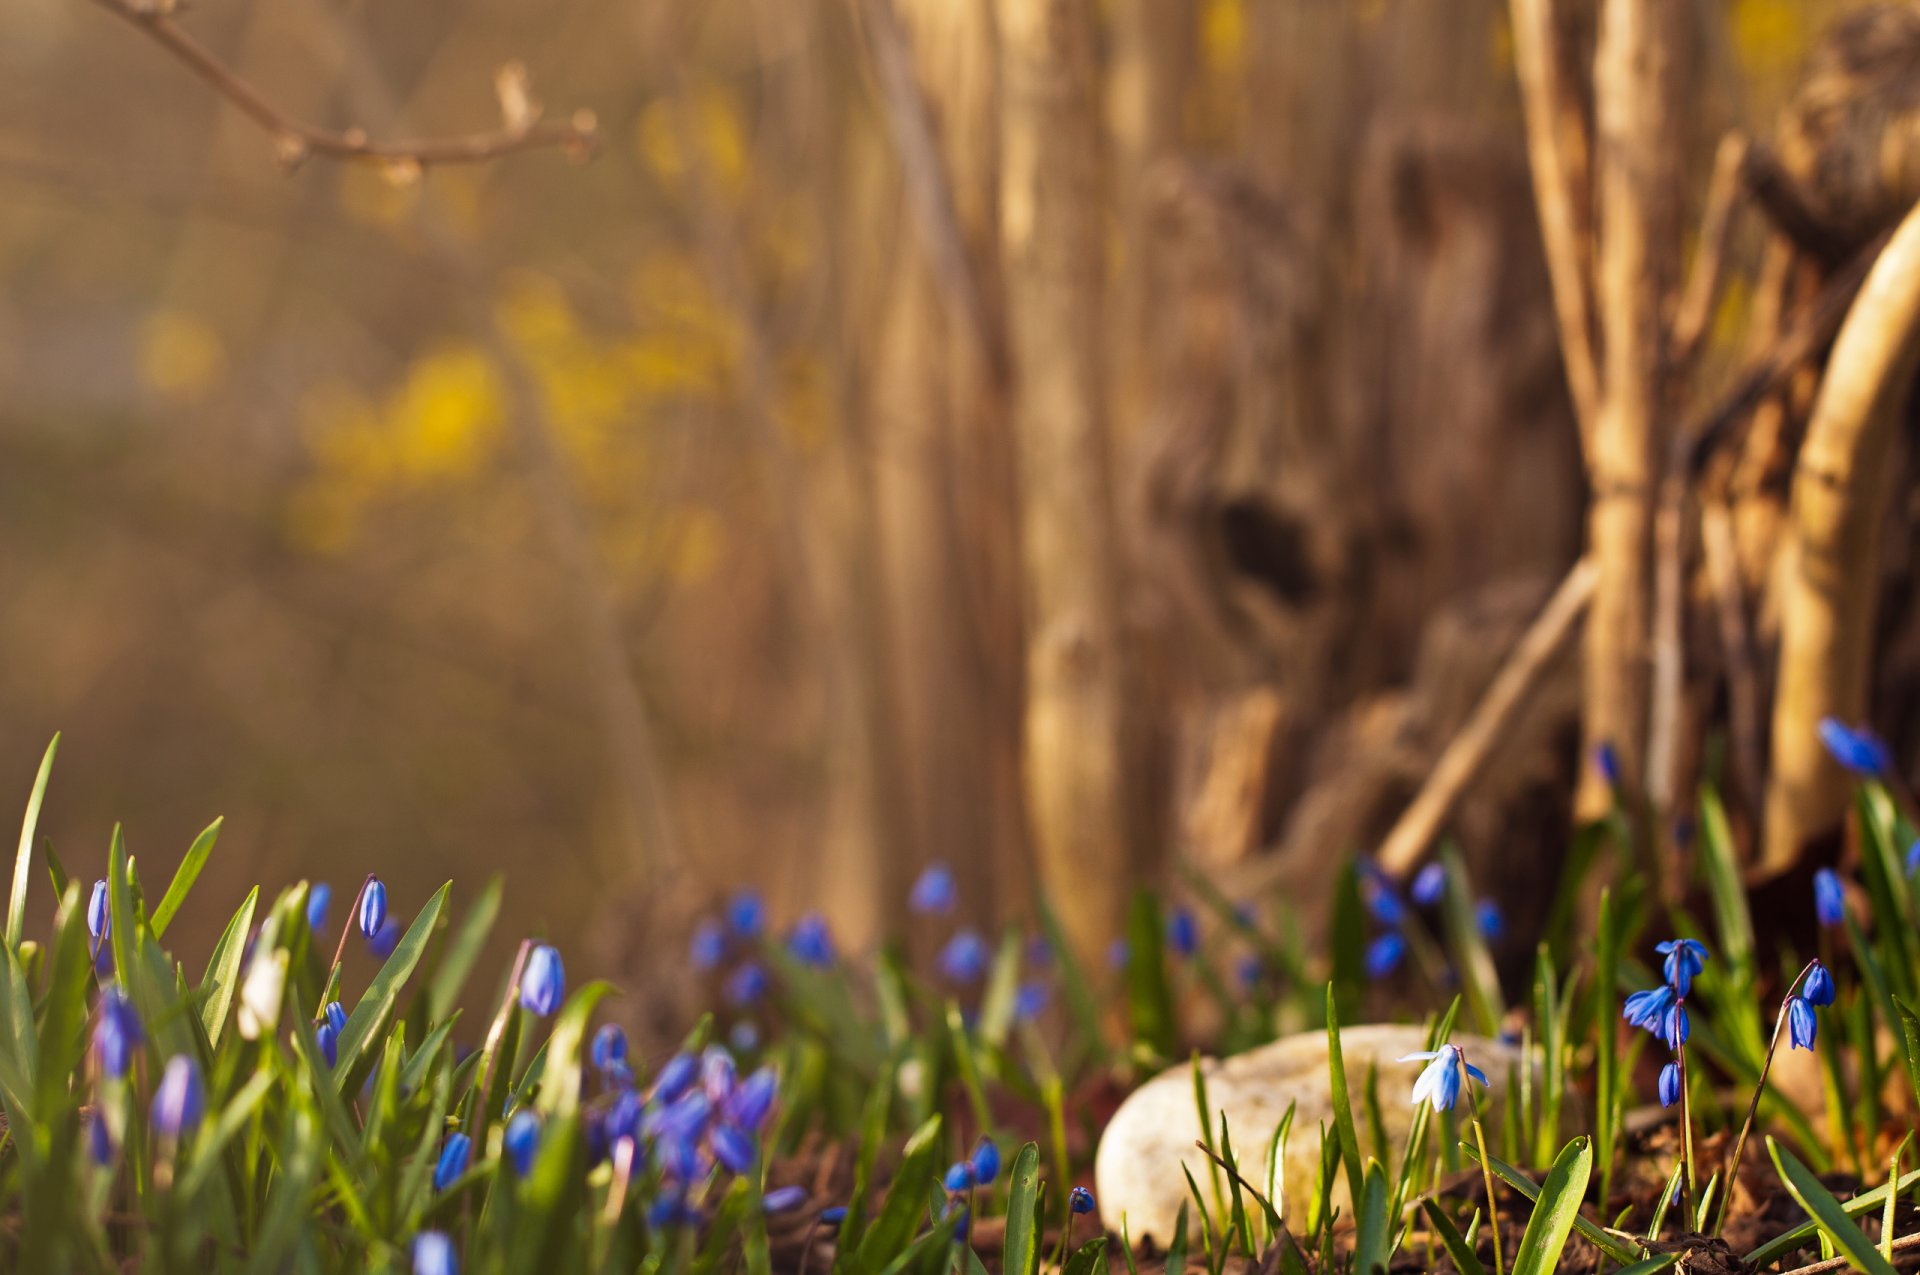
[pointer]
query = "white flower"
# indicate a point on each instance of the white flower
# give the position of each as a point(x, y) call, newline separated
point(260, 994)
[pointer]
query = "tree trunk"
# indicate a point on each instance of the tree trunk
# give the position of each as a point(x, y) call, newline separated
point(1053, 236)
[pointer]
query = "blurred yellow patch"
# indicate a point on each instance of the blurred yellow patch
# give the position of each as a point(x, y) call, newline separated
point(715, 126)
point(1223, 34)
point(1769, 36)
point(699, 538)
point(371, 197)
point(181, 356)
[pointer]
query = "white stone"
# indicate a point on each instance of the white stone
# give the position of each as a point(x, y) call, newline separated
point(1137, 1169)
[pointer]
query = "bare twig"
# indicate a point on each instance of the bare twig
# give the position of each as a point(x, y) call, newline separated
point(296, 140)
point(1900, 1245)
point(1779, 193)
point(1468, 749)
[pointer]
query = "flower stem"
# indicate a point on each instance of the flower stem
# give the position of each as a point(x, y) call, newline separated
point(1753, 1104)
point(1687, 1220)
point(1486, 1174)
point(346, 928)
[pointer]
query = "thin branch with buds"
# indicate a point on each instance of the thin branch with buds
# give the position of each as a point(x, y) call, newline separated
point(295, 140)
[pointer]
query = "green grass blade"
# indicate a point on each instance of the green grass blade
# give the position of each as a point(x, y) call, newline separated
point(183, 878)
point(1827, 1212)
point(1149, 998)
point(23, 860)
point(1555, 1211)
point(1343, 1129)
point(1477, 976)
point(1372, 1237)
point(1177, 1243)
point(1464, 1259)
point(450, 976)
point(64, 1015)
point(1020, 1247)
point(1608, 1244)
point(222, 979)
point(905, 1205)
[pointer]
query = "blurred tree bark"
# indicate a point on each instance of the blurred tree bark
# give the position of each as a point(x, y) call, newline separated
point(1054, 236)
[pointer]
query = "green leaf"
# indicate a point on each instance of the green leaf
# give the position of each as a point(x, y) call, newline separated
point(183, 878)
point(1177, 1243)
point(367, 1018)
point(231, 1120)
point(1457, 1248)
point(1073, 975)
point(906, 1202)
point(1372, 1238)
point(1555, 1211)
point(1827, 1212)
point(63, 1018)
point(1650, 1266)
point(222, 979)
point(1477, 976)
point(1526, 1186)
point(1667, 1196)
point(23, 860)
point(560, 1096)
point(1149, 998)
point(1089, 1259)
point(1910, 1040)
point(1863, 1203)
point(1343, 1129)
point(451, 974)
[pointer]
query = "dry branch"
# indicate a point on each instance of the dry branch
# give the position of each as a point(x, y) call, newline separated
point(1841, 487)
point(295, 140)
point(1468, 750)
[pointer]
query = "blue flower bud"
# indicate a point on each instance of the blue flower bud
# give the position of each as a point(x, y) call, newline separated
point(1913, 857)
point(1606, 759)
point(521, 1140)
point(624, 1116)
point(336, 1014)
point(962, 1225)
point(543, 984)
point(1384, 903)
point(609, 1048)
point(1670, 1084)
point(959, 1178)
point(1490, 919)
point(708, 946)
point(986, 1162)
point(1829, 899)
point(680, 1071)
point(1384, 954)
point(1801, 1024)
point(783, 1199)
point(455, 1152)
point(733, 1148)
point(116, 1033)
point(1080, 1200)
point(328, 1037)
point(1856, 748)
point(1429, 884)
point(1030, 1001)
point(1183, 932)
point(750, 1103)
point(811, 942)
point(99, 912)
point(433, 1254)
point(384, 940)
point(964, 958)
point(933, 893)
point(686, 1118)
point(1817, 987)
point(747, 914)
point(180, 1101)
point(319, 899)
point(746, 985)
point(834, 1216)
point(744, 1037)
point(99, 1140)
point(373, 908)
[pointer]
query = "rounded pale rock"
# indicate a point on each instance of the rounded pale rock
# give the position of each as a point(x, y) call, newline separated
point(1137, 1169)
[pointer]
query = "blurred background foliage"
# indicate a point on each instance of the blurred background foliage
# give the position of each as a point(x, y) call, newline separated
point(274, 547)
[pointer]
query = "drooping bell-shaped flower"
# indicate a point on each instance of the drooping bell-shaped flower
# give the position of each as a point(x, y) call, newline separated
point(180, 1101)
point(934, 892)
point(455, 1153)
point(1670, 1084)
point(1429, 884)
point(1801, 1024)
point(1440, 1081)
point(116, 1033)
point(1817, 987)
point(1829, 898)
point(521, 1140)
point(543, 983)
point(373, 908)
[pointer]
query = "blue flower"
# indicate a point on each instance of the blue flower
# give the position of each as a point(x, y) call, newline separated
point(1648, 1010)
point(744, 1037)
point(1080, 1200)
point(1674, 1028)
point(733, 1148)
point(433, 1254)
point(986, 1162)
point(103, 962)
point(319, 899)
point(624, 1116)
point(99, 912)
point(543, 984)
point(1040, 952)
point(670, 1208)
point(1817, 987)
point(1801, 1024)
point(180, 1101)
point(834, 1216)
point(328, 1038)
point(751, 1101)
point(1384, 954)
point(1030, 1001)
point(385, 939)
point(373, 908)
point(717, 1073)
point(335, 1015)
point(1856, 748)
point(1492, 922)
point(1440, 1080)
point(709, 946)
point(1670, 1084)
point(1913, 857)
point(1429, 884)
point(784, 1199)
point(1119, 954)
point(1384, 903)
point(609, 1048)
point(454, 1154)
point(99, 1139)
point(685, 1118)
point(959, 1178)
point(674, 1078)
point(1606, 758)
point(1685, 958)
point(116, 1033)
point(1829, 899)
point(746, 985)
point(521, 1140)
point(934, 893)
point(964, 958)
point(1183, 931)
point(747, 914)
point(962, 1225)
point(1249, 969)
point(811, 941)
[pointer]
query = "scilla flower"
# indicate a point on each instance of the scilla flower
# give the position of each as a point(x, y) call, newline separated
point(811, 942)
point(783, 1199)
point(964, 958)
point(1440, 1081)
point(1183, 932)
point(1856, 748)
point(116, 1033)
point(1492, 923)
point(260, 994)
point(373, 908)
point(959, 1178)
point(752, 1099)
point(319, 899)
point(1817, 987)
point(1080, 1200)
point(1685, 958)
point(543, 984)
point(1384, 954)
point(1670, 1084)
point(1674, 1028)
point(385, 939)
point(1383, 902)
point(986, 1162)
point(747, 914)
point(1913, 857)
point(1030, 1002)
point(1648, 1010)
point(609, 1049)
point(1606, 759)
point(180, 1101)
point(99, 913)
point(1801, 1024)
point(433, 1254)
point(746, 985)
point(1429, 884)
point(708, 946)
point(1829, 899)
point(933, 893)
point(455, 1152)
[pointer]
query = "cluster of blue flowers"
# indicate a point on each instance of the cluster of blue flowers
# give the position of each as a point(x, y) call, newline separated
point(963, 960)
point(1662, 1010)
point(1389, 949)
